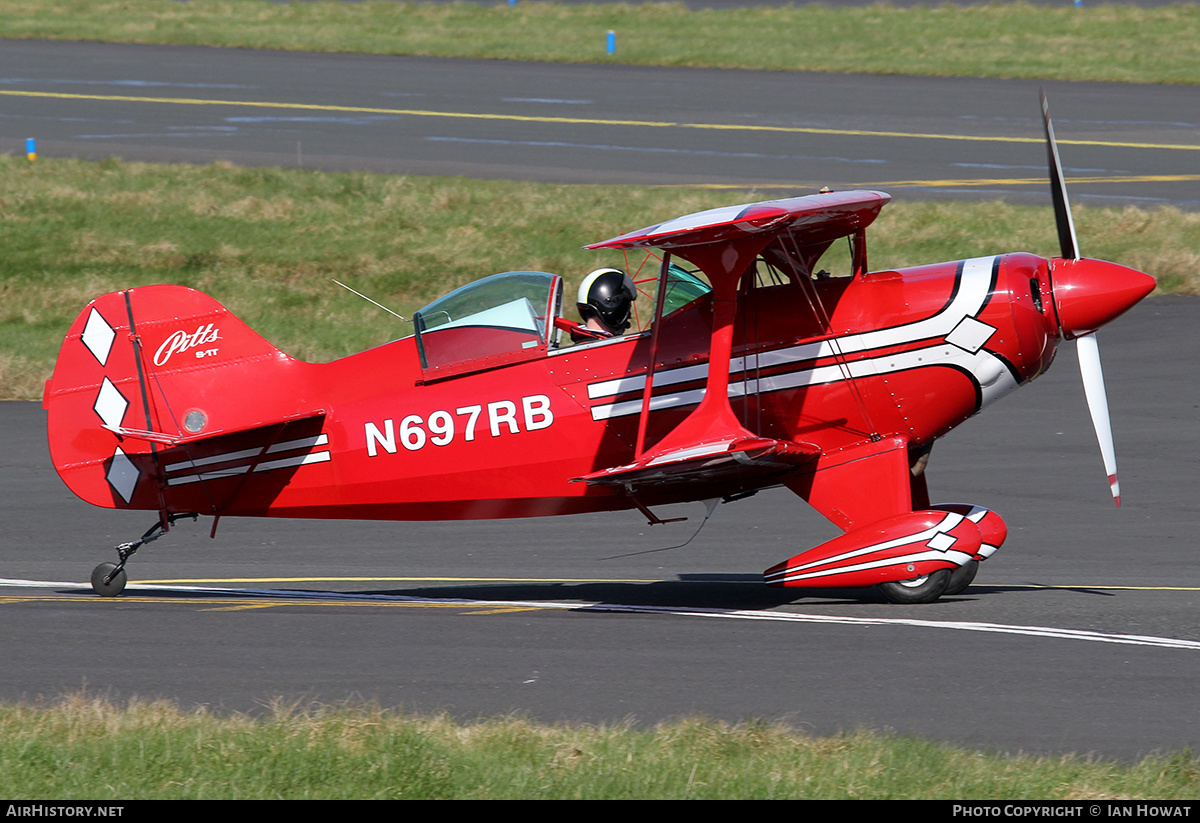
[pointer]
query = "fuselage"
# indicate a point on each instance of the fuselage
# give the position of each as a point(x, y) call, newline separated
point(906, 354)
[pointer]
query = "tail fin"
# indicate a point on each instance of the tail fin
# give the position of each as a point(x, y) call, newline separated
point(158, 387)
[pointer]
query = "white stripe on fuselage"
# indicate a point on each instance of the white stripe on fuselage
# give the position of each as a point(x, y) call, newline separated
point(974, 286)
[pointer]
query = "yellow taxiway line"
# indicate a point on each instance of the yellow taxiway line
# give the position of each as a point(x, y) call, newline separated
point(586, 121)
point(954, 183)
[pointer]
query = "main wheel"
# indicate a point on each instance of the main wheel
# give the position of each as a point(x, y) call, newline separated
point(924, 589)
point(961, 577)
point(114, 586)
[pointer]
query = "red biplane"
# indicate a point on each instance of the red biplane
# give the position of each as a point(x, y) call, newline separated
point(757, 370)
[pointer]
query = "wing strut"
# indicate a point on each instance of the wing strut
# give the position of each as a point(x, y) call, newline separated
point(710, 445)
point(814, 302)
point(660, 298)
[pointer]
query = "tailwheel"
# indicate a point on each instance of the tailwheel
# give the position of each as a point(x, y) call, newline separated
point(924, 589)
point(961, 577)
point(109, 579)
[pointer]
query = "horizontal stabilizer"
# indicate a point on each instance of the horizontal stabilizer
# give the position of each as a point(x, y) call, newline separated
point(164, 439)
point(283, 444)
point(237, 472)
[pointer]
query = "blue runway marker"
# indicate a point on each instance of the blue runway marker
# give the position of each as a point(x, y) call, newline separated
point(30, 149)
point(612, 42)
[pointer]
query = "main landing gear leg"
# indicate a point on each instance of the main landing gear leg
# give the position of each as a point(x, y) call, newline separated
point(109, 579)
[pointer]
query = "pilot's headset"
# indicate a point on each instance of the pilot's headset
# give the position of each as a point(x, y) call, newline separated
point(607, 294)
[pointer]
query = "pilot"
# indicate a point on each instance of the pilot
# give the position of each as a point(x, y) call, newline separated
point(605, 301)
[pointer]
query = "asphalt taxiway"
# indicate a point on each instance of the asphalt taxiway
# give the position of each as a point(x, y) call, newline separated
point(776, 133)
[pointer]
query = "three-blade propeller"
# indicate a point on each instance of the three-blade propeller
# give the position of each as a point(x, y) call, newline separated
point(1086, 346)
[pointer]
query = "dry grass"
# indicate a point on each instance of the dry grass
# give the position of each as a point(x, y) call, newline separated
point(82, 747)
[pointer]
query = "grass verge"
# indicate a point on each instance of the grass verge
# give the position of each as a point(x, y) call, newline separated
point(267, 243)
point(83, 748)
point(1122, 43)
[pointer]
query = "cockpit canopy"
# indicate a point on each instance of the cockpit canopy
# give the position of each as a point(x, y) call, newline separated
point(493, 321)
point(510, 317)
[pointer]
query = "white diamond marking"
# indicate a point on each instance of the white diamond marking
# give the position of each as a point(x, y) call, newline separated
point(941, 541)
point(970, 334)
point(110, 404)
point(122, 475)
point(98, 336)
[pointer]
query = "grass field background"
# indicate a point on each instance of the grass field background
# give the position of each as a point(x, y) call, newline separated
point(269, 242)
point(84, 748)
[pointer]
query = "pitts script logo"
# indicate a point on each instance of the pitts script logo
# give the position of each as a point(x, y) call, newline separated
point(181, 341)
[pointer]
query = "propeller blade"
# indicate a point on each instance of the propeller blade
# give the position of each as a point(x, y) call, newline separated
point(1067, 241)
point(1097, 400)
point(1104, 291)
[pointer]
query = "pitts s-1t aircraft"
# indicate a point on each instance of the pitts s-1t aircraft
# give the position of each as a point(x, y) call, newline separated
point(757, 370)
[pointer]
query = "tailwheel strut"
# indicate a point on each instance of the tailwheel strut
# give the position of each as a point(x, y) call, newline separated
point(109, 579)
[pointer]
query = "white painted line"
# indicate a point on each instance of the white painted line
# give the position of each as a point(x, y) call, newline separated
point(681, 611)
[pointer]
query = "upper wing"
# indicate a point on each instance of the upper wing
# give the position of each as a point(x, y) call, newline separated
point(813, 218)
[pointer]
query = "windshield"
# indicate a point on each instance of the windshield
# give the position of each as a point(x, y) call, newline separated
point(490, 322)
point(682, 288)
point(478, 303)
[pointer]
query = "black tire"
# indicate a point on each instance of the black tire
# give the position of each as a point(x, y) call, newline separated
point(114, 586)
point(961, 577)
point(925, 589)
